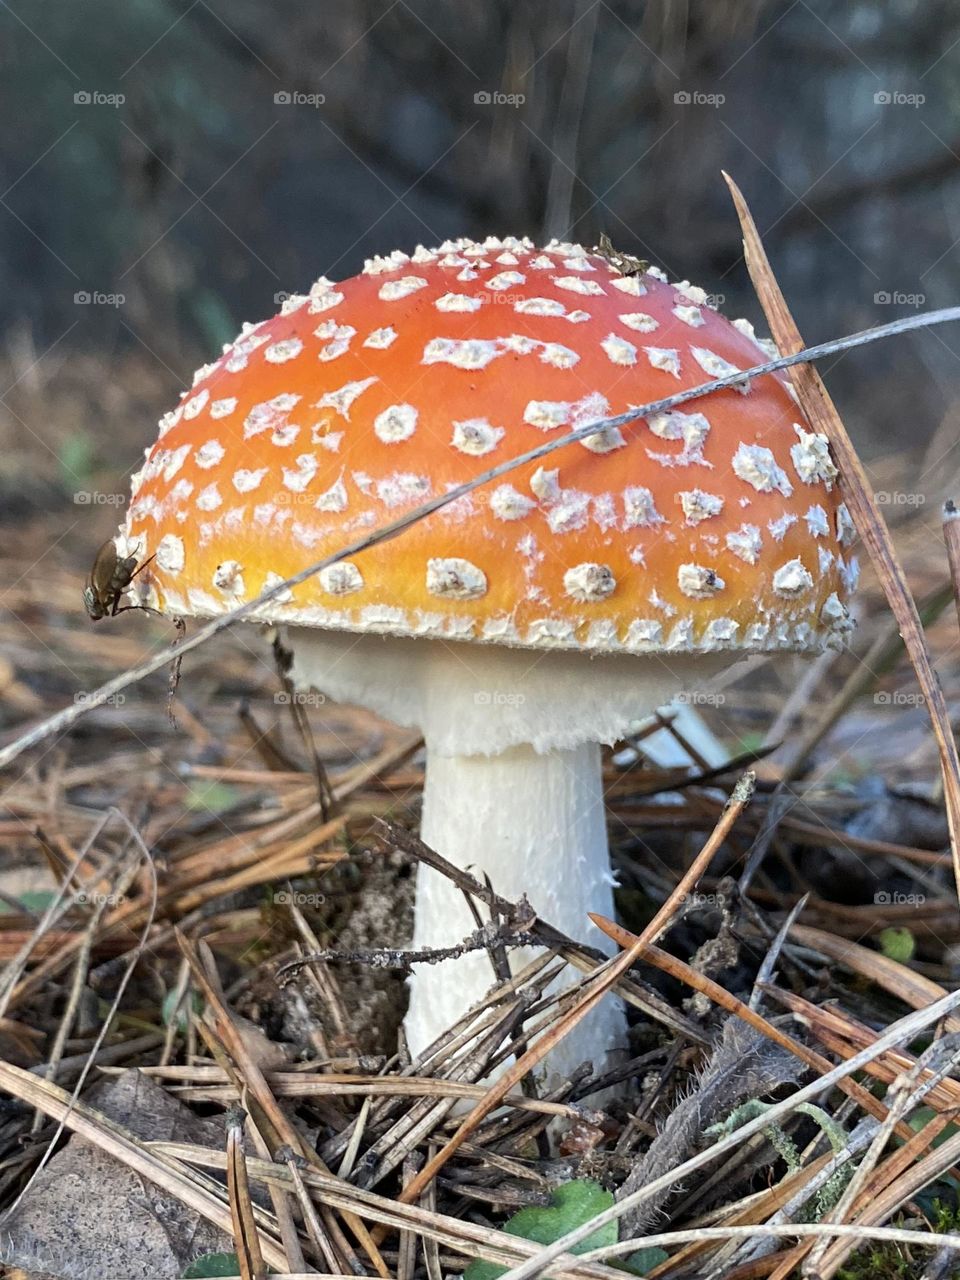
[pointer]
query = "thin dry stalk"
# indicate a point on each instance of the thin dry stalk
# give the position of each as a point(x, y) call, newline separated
point(855, 486)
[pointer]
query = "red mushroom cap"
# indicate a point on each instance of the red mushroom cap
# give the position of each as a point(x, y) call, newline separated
point(715, 527)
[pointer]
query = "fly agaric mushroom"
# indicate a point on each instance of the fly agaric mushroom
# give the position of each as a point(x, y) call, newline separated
point(523, 625)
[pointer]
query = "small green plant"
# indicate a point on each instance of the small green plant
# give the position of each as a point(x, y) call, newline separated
point(570, 1206)
point(212, 1264)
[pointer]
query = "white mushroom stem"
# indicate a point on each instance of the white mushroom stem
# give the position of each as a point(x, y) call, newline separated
point(534, 824)
point(513, 787)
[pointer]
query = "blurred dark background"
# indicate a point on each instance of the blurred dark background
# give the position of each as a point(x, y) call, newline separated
point(170, 166)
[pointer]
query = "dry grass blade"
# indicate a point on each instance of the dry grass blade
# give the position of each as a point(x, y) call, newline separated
point(823, 417)
point(720, 996)
point(901, 1031)
point(951, 536)
point(912, 988)
point(269, 1112)
point(246, 1240)
point(593, 993)
point(102, 1133)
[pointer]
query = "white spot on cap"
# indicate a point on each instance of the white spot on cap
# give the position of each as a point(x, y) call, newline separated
point(817, 521)
point(587, 582)
point(792, 579)
point(285, 435)
point(458, 302)
point(170, 553)
point(717, 367)
point(391, 290)
point(574, 284)
point(719, 633)
point(578, 317)
point(699, 582)
point(547, 414)
point(342, 399)
point(282, 351)
point(195, 404)
point(380, 339)
point(644, 633)
point(778, 528)
point(846, 529)
point(402, 487)
point(209, 499)
point(604, 441)
point(639, 321)
point(504, 279)
point(689, 315)
point(339, 346)
point(173, 461)
point(629, 284)
point(639, 509)
point(209, 454)
point(475, 436)
point(341, 579)
point(274, 580)
point(559, 356)
point(545, 484)
point(691, 428)
point(758, 467)
point(824, 560)
point(269, 414)
point(811, 458)
point(849, 573)
point(745, 543)
point(540, 307)
point(698, 506)
point(228, 578)
point(462, 353)
point(619, 350)
point(507, 503)
point(455, 579)
point(666, 358)
point(570, 511)
point(297, 480)
point(835, 612)
point(245, 481)
point(396, 423)
point(223, 408)
point(334, 498)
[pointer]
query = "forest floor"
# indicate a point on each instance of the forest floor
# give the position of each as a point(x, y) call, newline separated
point(163, 860)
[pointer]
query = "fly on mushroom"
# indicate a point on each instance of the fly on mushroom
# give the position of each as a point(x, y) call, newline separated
point(109, 578)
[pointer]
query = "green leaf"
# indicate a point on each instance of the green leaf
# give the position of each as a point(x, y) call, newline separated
point(213, 1264)
point(214, 797)
point(570, 1206)
point(195, 1000)
point(897, 944)
point(642, 1261)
